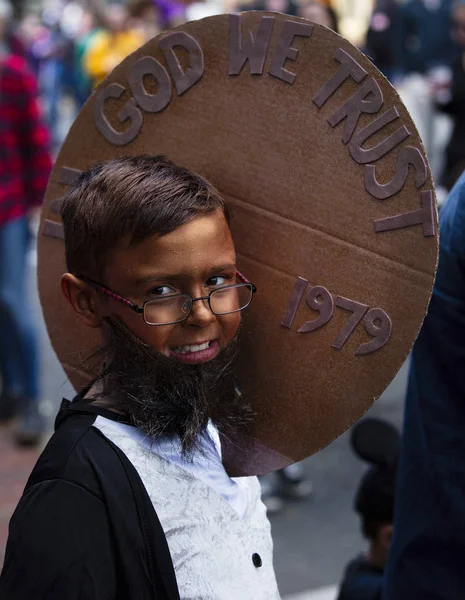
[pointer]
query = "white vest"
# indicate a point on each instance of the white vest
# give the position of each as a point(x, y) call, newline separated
point(216, 527)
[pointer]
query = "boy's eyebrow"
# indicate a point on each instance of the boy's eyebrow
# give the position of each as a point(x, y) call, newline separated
point(177, 276)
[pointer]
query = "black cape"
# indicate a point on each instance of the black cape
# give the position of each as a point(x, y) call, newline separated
point(85, 527)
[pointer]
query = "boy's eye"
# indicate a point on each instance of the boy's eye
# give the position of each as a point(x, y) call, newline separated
point(162, 290)
point(218, 280)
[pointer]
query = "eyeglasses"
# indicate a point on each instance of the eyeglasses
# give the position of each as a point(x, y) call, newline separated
point(177, 308)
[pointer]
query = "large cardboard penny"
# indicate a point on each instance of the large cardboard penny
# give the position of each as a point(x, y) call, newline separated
point(333, 206)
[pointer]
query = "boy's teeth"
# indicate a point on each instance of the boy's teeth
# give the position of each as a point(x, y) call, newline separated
point(193, 348)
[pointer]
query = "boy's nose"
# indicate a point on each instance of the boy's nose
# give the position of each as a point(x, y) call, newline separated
point(201, 314)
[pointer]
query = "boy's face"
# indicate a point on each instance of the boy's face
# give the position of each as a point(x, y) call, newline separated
point(195, 259)
point(458, 19)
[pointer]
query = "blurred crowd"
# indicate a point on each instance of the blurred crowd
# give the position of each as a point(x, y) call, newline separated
point(71, 45)
point(71, 48)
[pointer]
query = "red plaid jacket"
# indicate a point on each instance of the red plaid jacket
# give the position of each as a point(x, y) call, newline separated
point(25, 161)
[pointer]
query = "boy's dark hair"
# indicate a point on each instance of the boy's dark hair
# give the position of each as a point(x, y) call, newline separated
point(125, 201)
point(371, 527)
point(378, 443)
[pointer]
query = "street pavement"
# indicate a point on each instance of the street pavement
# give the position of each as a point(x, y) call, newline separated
point(313, 538)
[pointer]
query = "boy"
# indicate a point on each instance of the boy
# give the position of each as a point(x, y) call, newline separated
point(376, 442)
point(130, 498)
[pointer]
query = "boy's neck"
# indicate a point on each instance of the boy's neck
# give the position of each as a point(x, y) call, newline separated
point(376, 556)
point(94, 396)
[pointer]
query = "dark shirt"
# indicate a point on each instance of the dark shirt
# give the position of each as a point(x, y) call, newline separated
point(362, 581)
point(25, 161)
point(455, 151)
point(380, 38)
point(426, 558)
point(423, 37)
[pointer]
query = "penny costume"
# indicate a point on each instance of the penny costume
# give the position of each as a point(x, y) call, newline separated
point(334, 220)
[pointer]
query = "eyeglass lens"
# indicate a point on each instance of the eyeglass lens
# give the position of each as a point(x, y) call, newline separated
point(222, 301)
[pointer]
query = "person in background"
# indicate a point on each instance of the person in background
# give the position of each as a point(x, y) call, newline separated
point(145, 18)
point(455, 106)
point(380, 38)
point(423, 36)
point(287, 7)
point(72, 21)
point(289, 483)
point(49, 51)
point(378, 443)
point(25, 165)
point(319, 13)
point(426, 559)
point(88, 29)
point(112, 45)
point(171, 13)
point(424, 54)
point(28, 30)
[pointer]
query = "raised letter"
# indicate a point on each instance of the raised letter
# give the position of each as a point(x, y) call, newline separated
point(362, 156)
point(68, 175)
point(349, 68)
point(423, 216)
point(408, 156)
point(253, 50)
point(129, 111)
point(285, 51)
point(293, 305)
point(183, 80)
point(356, 105)
point(319, 299)
point(53, 229)
point(151, 103)
point(56, 205)
point(358, 311)
point(378, 324)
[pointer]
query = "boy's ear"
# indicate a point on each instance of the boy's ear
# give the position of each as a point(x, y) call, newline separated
point(82, 299)
point(385, 536)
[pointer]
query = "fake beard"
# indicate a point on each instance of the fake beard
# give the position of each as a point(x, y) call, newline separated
point(165, 397)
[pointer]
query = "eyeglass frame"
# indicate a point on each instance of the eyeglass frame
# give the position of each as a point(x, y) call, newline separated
point(141, 309)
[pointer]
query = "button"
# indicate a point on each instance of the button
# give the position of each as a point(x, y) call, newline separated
point(257, 559)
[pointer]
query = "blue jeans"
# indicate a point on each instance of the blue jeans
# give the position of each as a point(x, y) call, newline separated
point(18, 344)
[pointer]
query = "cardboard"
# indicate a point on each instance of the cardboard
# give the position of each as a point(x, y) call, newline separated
point(318, 157)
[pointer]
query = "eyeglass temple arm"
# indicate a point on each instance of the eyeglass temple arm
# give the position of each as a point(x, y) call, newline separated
point(134, 307)
point(245, 280)
point(110, 294)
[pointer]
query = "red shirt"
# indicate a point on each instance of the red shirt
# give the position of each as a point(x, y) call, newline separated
point(25, 160)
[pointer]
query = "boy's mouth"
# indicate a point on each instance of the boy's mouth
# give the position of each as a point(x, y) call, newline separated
point(196, 353)
point(191, 348)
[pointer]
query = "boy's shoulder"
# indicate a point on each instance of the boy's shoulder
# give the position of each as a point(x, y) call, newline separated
point(81, 486)
point(79, 453)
